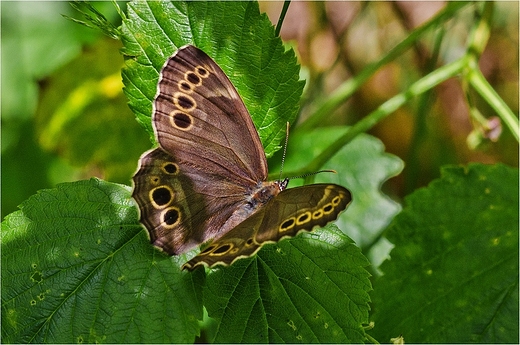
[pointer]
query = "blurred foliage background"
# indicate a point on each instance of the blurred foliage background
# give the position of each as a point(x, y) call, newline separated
point(64, 115)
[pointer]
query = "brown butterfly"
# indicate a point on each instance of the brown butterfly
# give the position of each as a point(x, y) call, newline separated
point(207, 180)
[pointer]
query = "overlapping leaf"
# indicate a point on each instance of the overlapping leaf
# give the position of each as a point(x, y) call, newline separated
point(236, 36)
point(310, 289)
point(77, 267)
point(453, 276)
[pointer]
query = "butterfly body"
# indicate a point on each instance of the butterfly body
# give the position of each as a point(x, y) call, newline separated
point(207, 180)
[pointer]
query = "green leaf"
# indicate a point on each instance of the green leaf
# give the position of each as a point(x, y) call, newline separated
point(362, 166)
point(453, 276)
point(236, 36)
point(309, 289)
point(77, 267)
point(290, 291)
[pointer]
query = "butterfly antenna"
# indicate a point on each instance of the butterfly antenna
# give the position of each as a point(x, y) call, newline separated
point(314, 173)
point(284, 149)
point(283, 161)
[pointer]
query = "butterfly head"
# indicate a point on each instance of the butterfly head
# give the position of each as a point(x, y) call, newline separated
point(282, 184)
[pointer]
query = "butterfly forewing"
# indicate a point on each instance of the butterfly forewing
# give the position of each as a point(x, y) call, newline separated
point(200, 118)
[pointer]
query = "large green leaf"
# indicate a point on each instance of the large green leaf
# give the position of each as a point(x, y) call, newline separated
point(236, 36)
point(453, 276)
point(77, 267)
point(311, 289)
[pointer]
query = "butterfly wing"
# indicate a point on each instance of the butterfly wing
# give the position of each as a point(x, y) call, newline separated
point(201, 120)
point(170, 208)
point(290, 212)
point(207, 136)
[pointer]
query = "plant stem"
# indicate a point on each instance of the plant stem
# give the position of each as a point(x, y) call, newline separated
point(344, 91)
point(426, 83)
point(481, 85)
point(282, 17)
point(477, 43)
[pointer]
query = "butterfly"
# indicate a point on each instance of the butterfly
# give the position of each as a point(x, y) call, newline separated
point(206, 182)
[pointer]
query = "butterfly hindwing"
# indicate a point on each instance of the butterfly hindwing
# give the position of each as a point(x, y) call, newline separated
point(163, 195)
point(290, 212)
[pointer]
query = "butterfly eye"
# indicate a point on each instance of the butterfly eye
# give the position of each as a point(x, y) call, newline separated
point(317, 214)
point(328, 208)
point(223, 249)
point(207, 250)
point(304, 218)
point(170, 168)
point(202, 72)
point(184, 86)
point(287, 225)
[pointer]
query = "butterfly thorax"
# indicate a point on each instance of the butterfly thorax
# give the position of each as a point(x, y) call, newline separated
point(265, 191)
